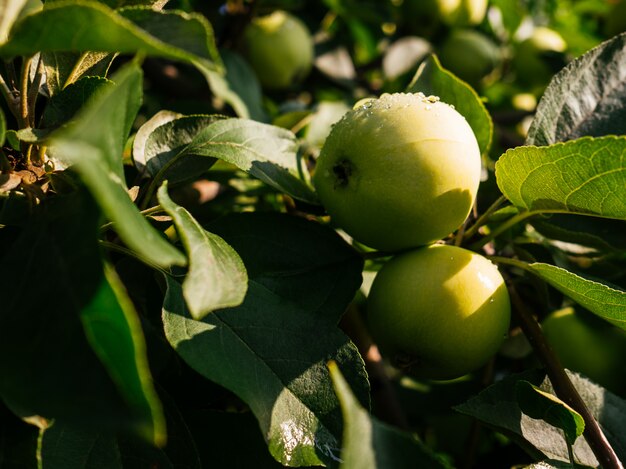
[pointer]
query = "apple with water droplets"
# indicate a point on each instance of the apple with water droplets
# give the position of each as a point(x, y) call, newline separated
point(399, 171)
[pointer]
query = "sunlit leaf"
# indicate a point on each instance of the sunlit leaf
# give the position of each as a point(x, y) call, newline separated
point(369, 443)
point(540, 404)
point(585, 176)
point(497, 407)
point(272, 359)
point(266, 152)
point(217, 277)
point(585, 98)
point(606, 302)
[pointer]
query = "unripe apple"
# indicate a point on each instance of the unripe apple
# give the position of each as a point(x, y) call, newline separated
point(462, 12)
point(588, 346)
point(438, 312)
point(279, 48)
point(399, 171)
point(530, 59)
point(470, 55)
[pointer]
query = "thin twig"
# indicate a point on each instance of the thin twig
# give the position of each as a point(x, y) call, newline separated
point(562, 385)
point(24, 120)
point(469, 232)
point(10, 96)
point(33, 92)
point(383, 391)
point(514, 220)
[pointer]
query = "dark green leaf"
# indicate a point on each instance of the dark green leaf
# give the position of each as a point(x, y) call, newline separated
point(245, 85)
point(585, 176)
point(69, 447)
point(432, 79)
point(274, 358)
point(79, 26)
point(157, 149)
point(606, 302)
point(67, 102)
point(267, 152)
point(543, 405)
point(70, 342)
point(585, 98)
point(217, 277)
point(74, 448)
point(369, 443)
point(299, 261)
point(93, 143)
point(497, 407)
point(64, 68)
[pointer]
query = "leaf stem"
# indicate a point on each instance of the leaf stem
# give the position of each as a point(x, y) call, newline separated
point(563, 386)
point(502, 228)
point(149, 211)
point(472, 230)
point(33, 92)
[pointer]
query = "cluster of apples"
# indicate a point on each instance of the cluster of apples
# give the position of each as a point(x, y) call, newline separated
point(400, 173)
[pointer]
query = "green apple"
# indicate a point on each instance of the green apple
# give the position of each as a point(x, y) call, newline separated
point(279, 48)
point(470, 55)
point(462, 12)
point(400, 171)
point(438, 312)
point(588, 346)
point(530, 56)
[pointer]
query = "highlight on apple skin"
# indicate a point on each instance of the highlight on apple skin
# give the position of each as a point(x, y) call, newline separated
point(399, 171)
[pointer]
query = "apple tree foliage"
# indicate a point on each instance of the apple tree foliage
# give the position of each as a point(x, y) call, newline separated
point(173, 295)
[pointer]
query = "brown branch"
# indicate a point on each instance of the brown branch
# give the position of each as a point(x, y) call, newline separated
point(383, 392)
point(563, 386)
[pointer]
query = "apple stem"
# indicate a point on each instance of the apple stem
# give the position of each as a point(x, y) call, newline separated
point(472, 230)
point(563, 386)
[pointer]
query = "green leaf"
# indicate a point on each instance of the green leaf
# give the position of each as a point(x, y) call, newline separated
point(274, 358)
point(157, 149)
point(585, 98)
point(266, 152)
point(65, 104)
point(369, 443)
point(70, 342)
point(217, 277)
point(299, 261)
point(70, 447)
point(497, 407)
point(606, 302)
point(432, 79)
point(74, 448)
point(585, 176)
point(144, 132)
point(64, 68)
point(543, 405)
point(93, 143)
point(244, 84)
point(77, 26)
point(9, 11)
